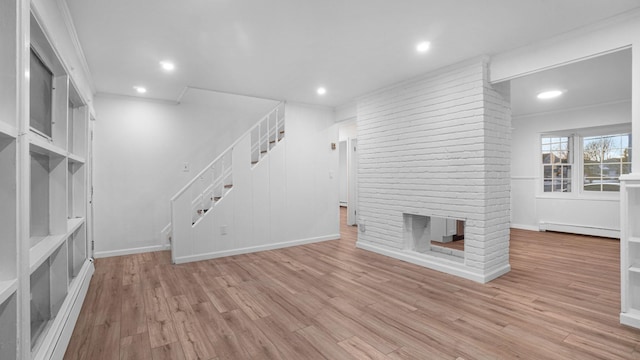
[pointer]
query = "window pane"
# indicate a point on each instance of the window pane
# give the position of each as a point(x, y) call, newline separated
point(591, 171)
point(556, 157)
point(614, 141)
point(593, 187)
point(613, 155)
point(611, 187)
point(611, 170)
point(546, 158)
point(605, 159)
point(40, 95)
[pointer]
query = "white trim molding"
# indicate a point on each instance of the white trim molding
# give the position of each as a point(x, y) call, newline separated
point(252, 249)
point(437, 263)
point(57, 339)
point(579, 229)
point(131, 251)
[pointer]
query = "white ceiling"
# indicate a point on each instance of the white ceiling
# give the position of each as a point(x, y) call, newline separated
point(603, 79)
point(285, 49)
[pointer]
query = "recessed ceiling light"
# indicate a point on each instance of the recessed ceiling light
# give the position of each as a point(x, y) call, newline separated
point(167, 65)
point(140, 89)
point(549, 94)
point(423, 46)
point(321, 91)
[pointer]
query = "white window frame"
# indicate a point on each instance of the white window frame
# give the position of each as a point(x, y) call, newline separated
point(606, 131)
point(577, 174)
point(571, 161)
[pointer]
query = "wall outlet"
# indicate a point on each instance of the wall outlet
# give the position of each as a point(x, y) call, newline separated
point(185, 167)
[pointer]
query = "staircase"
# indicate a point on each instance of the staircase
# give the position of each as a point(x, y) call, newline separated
point(201, 210)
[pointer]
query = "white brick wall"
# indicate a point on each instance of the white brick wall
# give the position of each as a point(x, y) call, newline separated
point(439, 146)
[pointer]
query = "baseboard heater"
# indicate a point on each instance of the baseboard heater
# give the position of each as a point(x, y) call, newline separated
point(579, 229)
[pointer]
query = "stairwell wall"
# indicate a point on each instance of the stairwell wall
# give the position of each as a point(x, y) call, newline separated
point(141, 147)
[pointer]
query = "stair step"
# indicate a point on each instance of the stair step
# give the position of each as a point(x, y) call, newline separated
point(202, 211)
point(272, 142)
point(216, 198)
point(281, 131)
point(228, 186)
point(263, 152)
point(254, 162)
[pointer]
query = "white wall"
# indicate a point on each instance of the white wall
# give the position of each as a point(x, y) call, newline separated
point(312, 173)
point(437, 146)
point(342, 171)
point(529, 205)
point(347, 130)
point(140, 148)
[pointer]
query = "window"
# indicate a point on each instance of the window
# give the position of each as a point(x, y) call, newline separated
point(557, 163)
point(605, 158)
point(40, 95)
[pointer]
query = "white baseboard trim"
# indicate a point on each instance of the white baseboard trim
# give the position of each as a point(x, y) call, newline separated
point(525, 227)
point(247, 250)
point(630, 319)
point(140, 250)
point(580, 229)
point(57, 339)
point(436, 263)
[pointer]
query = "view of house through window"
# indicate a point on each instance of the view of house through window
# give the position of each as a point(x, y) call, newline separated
point(557, 163)
point(605, 159)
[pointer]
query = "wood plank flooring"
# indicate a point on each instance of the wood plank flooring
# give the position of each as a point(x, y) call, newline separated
point(332, 301)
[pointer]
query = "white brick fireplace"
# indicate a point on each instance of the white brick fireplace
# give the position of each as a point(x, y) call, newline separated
point(437, 146)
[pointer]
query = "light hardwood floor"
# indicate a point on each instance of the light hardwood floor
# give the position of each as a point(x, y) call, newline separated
point(332, 301)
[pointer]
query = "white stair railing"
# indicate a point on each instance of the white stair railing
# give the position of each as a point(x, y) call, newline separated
point(209, 187)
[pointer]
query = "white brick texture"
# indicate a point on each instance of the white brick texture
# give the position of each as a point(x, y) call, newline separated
point(439, 146)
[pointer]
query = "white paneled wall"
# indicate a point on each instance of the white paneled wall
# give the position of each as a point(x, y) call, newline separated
point(437, 146)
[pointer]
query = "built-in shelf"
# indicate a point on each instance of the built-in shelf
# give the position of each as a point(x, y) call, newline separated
point(40, 145)
point(48, 163)
point(47, 245)
point(7, 130)
point(630, 250)
point(10, 177)
point(8, 327)
point(73, 225)
point(76, 159)
point(7, 288)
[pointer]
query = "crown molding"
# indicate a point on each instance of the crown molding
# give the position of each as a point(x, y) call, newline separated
point(73, 34)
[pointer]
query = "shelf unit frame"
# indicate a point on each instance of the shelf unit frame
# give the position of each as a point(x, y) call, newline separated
point(50, 265)
point(630, 250)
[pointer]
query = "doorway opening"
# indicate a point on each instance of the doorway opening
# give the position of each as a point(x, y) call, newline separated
point(348, 170)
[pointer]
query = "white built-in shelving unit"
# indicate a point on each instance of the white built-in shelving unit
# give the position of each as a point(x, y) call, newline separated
point(44, 154)
point(630, 250)
point(9, 317)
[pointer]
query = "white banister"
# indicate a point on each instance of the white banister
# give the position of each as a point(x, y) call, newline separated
point(246, 133)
